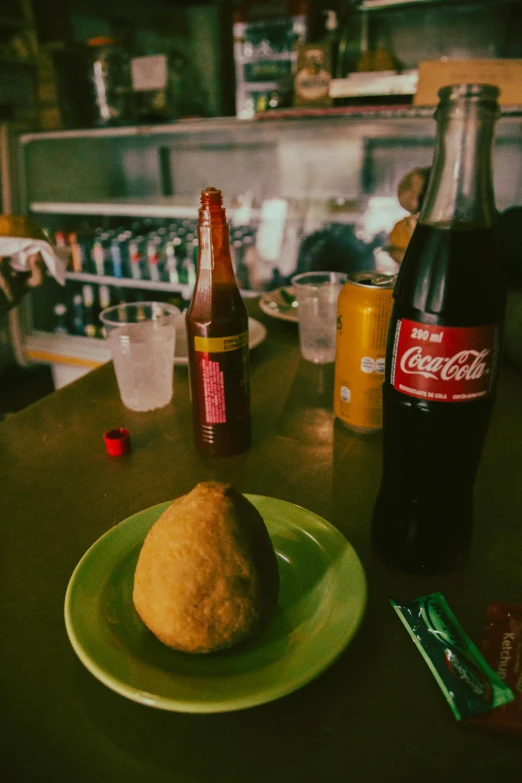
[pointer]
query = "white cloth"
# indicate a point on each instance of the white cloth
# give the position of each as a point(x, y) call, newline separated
point(20, 248)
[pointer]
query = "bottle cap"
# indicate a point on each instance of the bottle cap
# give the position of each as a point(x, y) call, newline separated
point(117, 442)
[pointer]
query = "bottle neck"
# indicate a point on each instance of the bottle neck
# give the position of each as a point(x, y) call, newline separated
point(460, 191)
point(214, 251)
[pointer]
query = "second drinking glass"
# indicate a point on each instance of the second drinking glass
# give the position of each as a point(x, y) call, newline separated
point(317, 294)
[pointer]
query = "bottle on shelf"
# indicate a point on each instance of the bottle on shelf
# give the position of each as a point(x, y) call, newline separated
point(111, 80)
point(188, 263)
point(88, 311)
point(135, 257)
point(98, 255)
point(195, 253)
point(78, 323)
point(104, 301)
point(152, 250)
point(153, 258)
point(332, 37)
point(180, 249)
point(240, 268)
point(443, 347)
point(77, 256)
point(104, 296)
point(217, 333)
point(171, 262)
point(60, 325)
point(116, 255)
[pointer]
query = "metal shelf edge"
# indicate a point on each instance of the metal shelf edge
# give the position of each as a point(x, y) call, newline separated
point(128, 282)
point(118, 209)
point(51, 348)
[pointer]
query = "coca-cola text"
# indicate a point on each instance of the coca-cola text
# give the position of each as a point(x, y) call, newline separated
point(446, 363)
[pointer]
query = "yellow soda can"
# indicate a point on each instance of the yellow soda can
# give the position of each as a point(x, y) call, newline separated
point(363, 317)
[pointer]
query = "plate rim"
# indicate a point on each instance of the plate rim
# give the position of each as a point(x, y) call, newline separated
point(267, 694)
point(182, 361)
point(290, 317)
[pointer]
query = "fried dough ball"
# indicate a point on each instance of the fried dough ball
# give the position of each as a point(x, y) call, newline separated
point(207, 575)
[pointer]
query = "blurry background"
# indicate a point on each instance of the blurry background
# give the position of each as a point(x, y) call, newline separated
point(114, 114)
point(45, 54)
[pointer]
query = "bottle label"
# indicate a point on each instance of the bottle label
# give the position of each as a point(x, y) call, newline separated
point(444, 363)
point(221, 344)
point(223, 376)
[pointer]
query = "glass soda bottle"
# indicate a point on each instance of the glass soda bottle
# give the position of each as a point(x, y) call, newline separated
point(217, 331)
point(443, 347)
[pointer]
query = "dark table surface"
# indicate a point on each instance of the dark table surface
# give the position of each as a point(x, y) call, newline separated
point(375, 714)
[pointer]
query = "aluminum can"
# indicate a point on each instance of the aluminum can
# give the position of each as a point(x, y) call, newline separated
point(363, 317)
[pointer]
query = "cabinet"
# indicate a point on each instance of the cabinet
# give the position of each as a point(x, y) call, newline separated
point(309, 192)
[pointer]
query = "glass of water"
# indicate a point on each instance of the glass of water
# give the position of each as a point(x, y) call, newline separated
point(317, 294)
point(142, 338)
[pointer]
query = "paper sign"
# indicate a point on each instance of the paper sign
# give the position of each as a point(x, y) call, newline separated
point(149, 73)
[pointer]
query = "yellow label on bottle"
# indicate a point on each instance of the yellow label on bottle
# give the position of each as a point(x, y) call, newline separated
point(221, 344)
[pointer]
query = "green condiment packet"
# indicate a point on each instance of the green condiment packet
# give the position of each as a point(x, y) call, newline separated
point(469, 684)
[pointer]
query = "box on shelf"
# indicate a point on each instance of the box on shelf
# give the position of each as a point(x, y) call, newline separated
point(374, 83)
point(505, 74)
point(265, 56)
point(314, 73)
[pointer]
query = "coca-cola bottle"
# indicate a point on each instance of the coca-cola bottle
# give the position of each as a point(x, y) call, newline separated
point(443, 347)
point(217, 331)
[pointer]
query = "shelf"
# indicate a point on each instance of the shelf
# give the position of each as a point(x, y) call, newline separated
point(128, 282)
point(156, 208)
point(388, 5)
point(395, 111)
point(143, 285)
point(382, 5)
point(374, 112)
point(181, 126)
point(69, 349)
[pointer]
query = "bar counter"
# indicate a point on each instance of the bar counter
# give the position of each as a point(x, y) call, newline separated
point(376, 714)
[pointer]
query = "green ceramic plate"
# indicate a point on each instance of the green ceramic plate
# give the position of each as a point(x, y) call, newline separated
point(321, 603)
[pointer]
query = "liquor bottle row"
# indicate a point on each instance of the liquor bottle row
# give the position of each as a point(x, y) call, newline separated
point(78, 311)
point(147, 250)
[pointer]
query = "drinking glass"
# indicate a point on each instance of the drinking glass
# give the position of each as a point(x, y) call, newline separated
point(317, 294)
point(142, 337)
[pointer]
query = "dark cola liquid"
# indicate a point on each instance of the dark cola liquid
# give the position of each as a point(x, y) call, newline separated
point(423, 516)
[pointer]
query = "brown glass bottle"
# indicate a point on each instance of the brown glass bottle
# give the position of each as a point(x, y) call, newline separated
point(217, 331)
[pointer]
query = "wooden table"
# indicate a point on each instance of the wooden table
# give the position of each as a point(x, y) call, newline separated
point(375, 715)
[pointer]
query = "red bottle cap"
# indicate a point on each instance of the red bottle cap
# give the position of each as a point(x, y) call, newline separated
point(117, 442)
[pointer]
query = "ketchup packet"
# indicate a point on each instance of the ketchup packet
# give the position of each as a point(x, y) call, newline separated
point(469, 684)
point(502, 648)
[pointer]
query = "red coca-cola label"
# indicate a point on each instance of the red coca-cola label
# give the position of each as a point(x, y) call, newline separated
point(444, 363)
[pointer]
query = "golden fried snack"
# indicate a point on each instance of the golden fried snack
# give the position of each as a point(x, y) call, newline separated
point(402, 231)
point(206, 576)
point(412, 188)
point(400, 236)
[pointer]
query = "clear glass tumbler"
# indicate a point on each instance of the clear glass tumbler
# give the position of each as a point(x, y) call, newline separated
point(142, 338)
point(317, 294)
